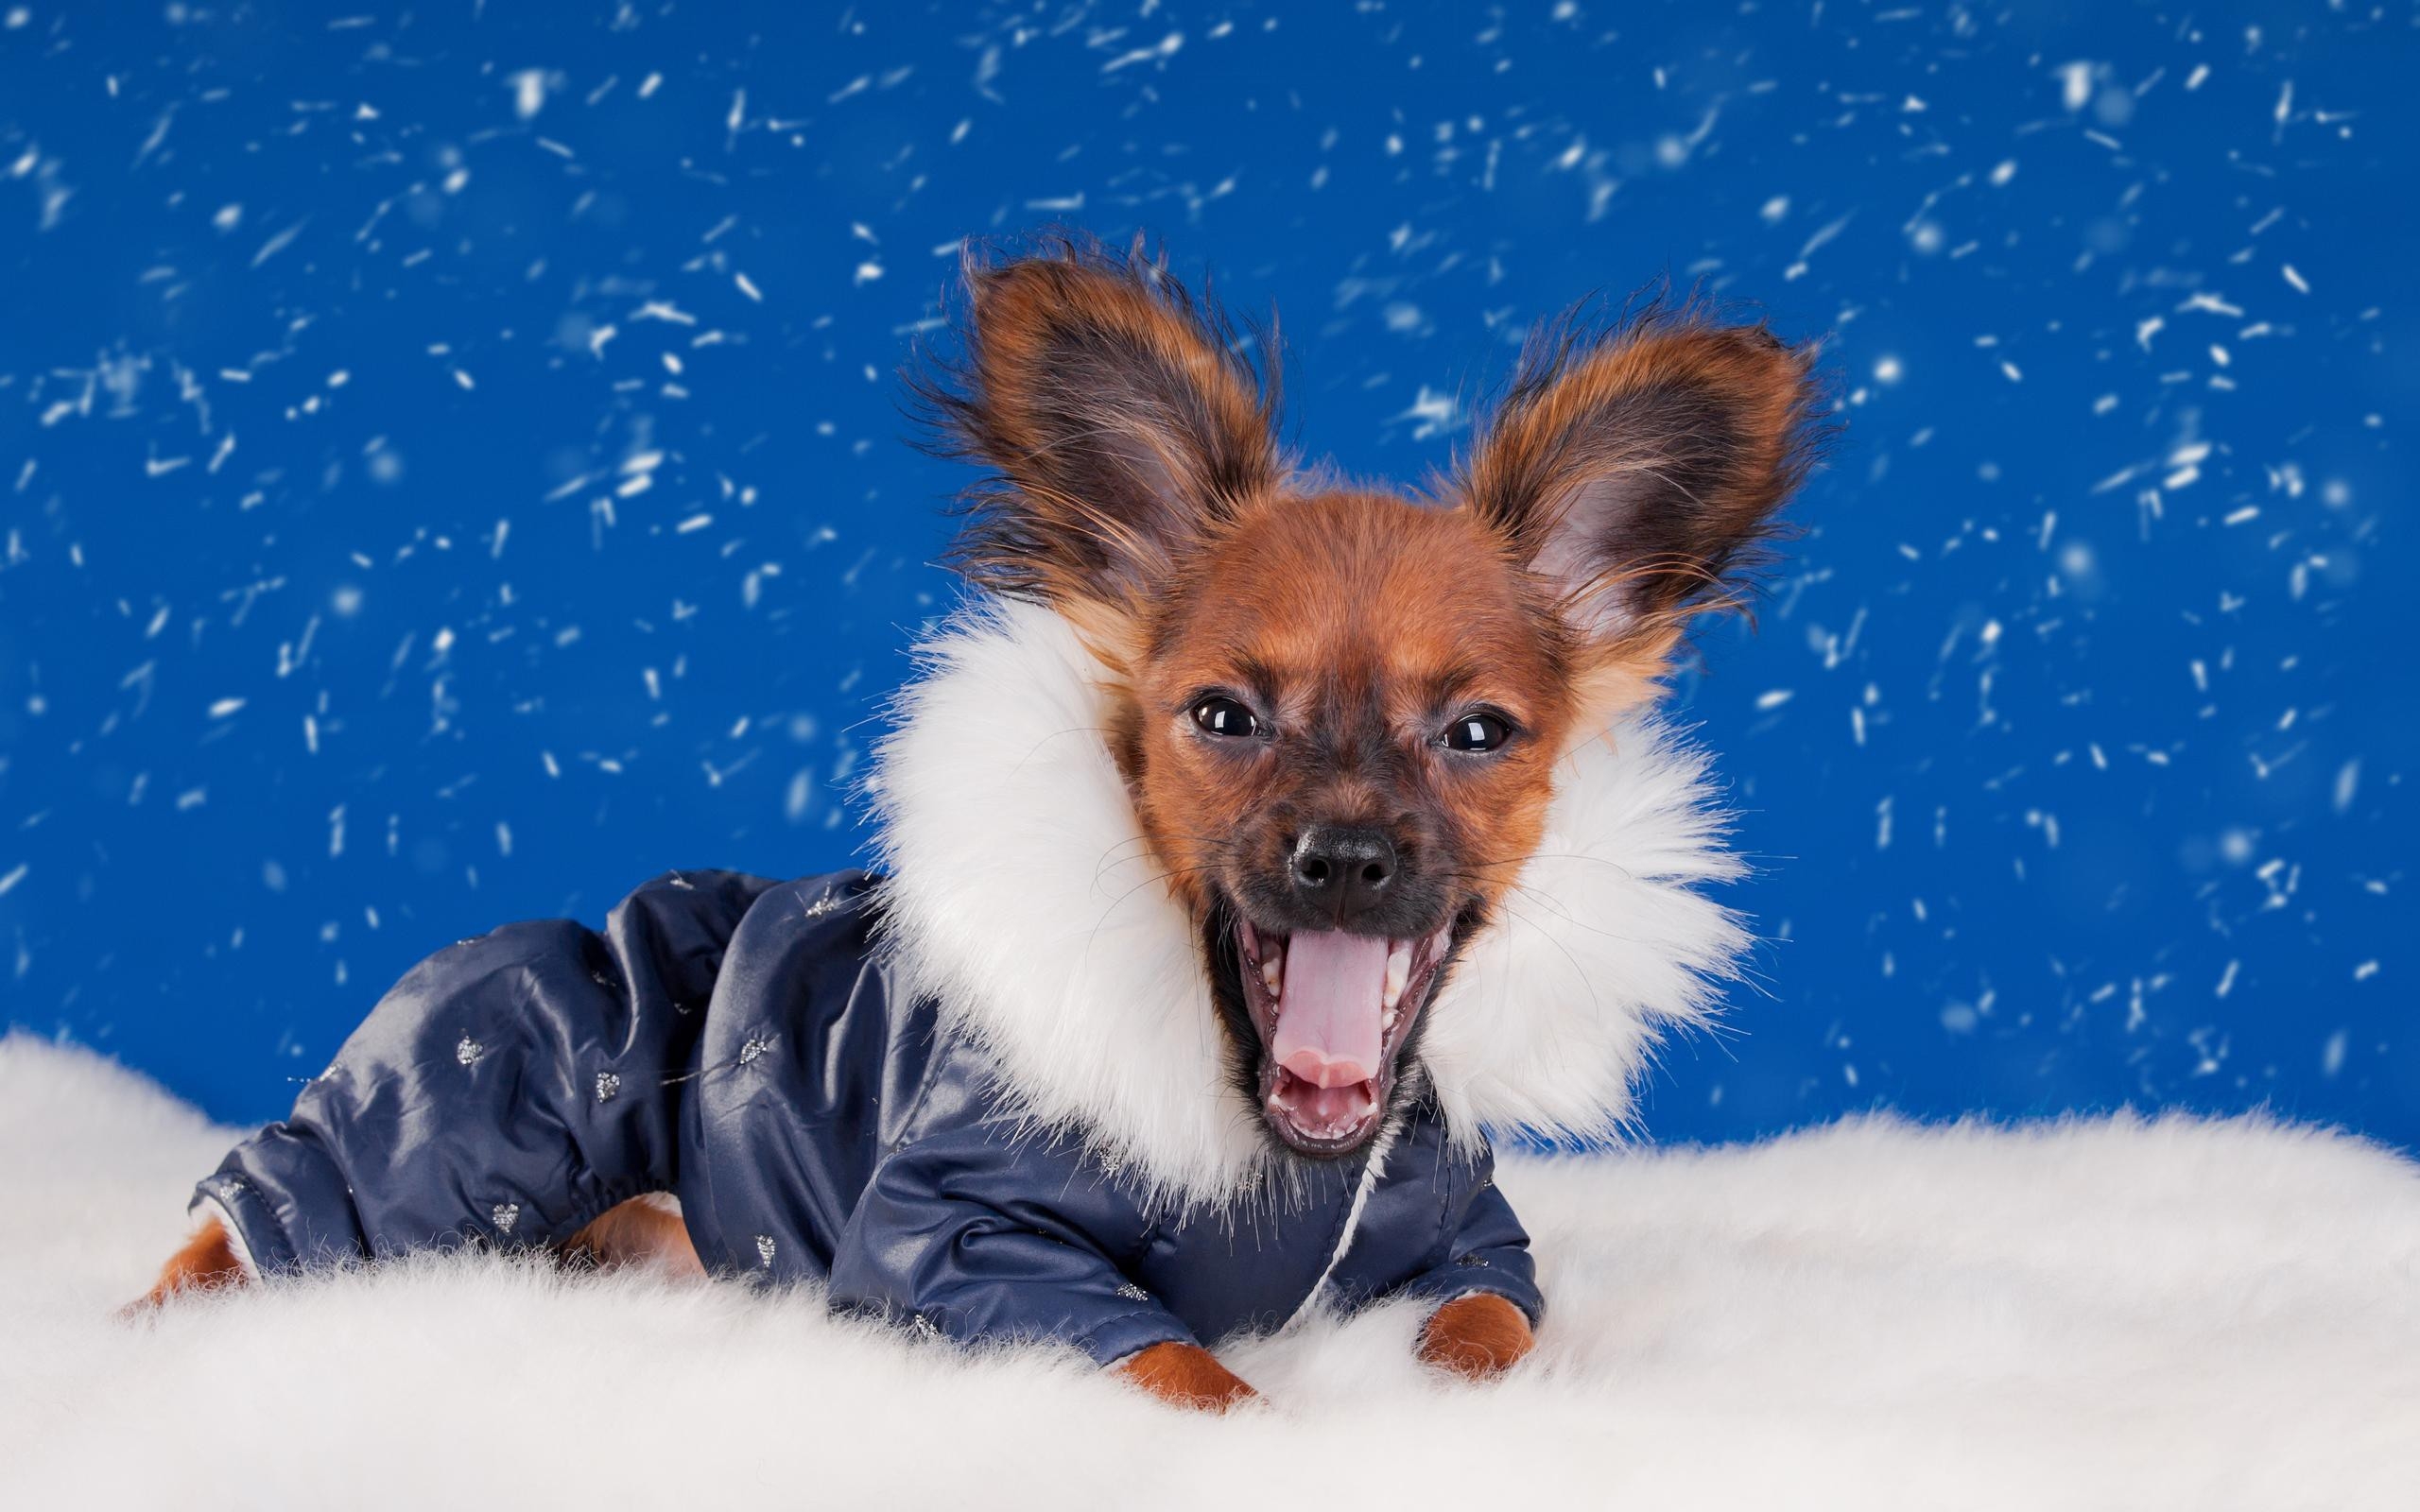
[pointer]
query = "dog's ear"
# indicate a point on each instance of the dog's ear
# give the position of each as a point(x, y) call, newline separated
point(1121, 422)
point(1639, 468)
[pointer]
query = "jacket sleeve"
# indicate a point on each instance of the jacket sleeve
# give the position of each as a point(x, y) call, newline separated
point(977, 1235)
point(1484, 1249)
point(508, 1089)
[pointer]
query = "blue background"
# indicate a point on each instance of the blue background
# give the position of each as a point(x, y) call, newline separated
point(451, 470)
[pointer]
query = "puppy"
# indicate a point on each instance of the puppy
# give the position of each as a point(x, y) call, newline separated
point(1252, 843)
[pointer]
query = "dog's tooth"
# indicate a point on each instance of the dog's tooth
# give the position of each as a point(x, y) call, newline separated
point(1272, 974)
point(1387, 1025)
point(1398, 972)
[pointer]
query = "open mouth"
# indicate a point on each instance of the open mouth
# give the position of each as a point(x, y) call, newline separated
point(1332, 1011)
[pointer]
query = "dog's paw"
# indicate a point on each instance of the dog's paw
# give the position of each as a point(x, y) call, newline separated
point(1185, 1375)
point(206, 1261)
point(1476, 1337)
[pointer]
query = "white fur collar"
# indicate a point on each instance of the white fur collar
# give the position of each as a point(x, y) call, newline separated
point(1023, 897)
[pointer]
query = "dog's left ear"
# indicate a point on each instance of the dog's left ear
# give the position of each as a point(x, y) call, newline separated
point(1639, 471)
point(1122, 423)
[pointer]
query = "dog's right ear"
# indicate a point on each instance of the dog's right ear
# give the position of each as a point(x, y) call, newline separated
point(1122, 423)
point(1637, 469)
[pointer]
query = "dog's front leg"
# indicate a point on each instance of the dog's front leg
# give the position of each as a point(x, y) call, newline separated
point(1185, 1375)
point(1479, 1336)
point(206, 1261)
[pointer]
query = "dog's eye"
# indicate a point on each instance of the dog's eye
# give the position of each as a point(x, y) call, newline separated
point(1480, 731)
point(1224, 717)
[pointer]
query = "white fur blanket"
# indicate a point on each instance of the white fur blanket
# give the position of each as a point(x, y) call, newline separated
point(2109, 1314)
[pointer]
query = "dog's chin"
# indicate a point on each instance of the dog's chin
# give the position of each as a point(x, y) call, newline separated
point(1331, 1113)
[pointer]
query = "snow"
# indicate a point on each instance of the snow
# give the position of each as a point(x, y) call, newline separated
point(2092, 1315)
point(2099, 596)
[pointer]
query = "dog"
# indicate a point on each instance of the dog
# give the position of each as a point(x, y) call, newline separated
point(1250, 844)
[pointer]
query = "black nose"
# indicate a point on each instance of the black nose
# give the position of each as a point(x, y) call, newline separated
point(1342, 871)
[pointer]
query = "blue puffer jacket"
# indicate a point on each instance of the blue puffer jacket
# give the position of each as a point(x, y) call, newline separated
point(1015, 1116)
point(739, 1043)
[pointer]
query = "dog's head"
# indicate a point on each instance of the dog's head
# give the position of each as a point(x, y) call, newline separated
point(1339, 709)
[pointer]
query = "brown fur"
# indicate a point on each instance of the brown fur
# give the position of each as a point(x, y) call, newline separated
point(1643, 465)
point(1116, 412)
point(644, 1230)
point(1185, 1375)
point(206, 1263)
point(1627, 475)
point(1325, 609)
point(1477, 1336)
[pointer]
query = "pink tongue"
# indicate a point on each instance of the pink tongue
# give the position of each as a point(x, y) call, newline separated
point(1327, 1020)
